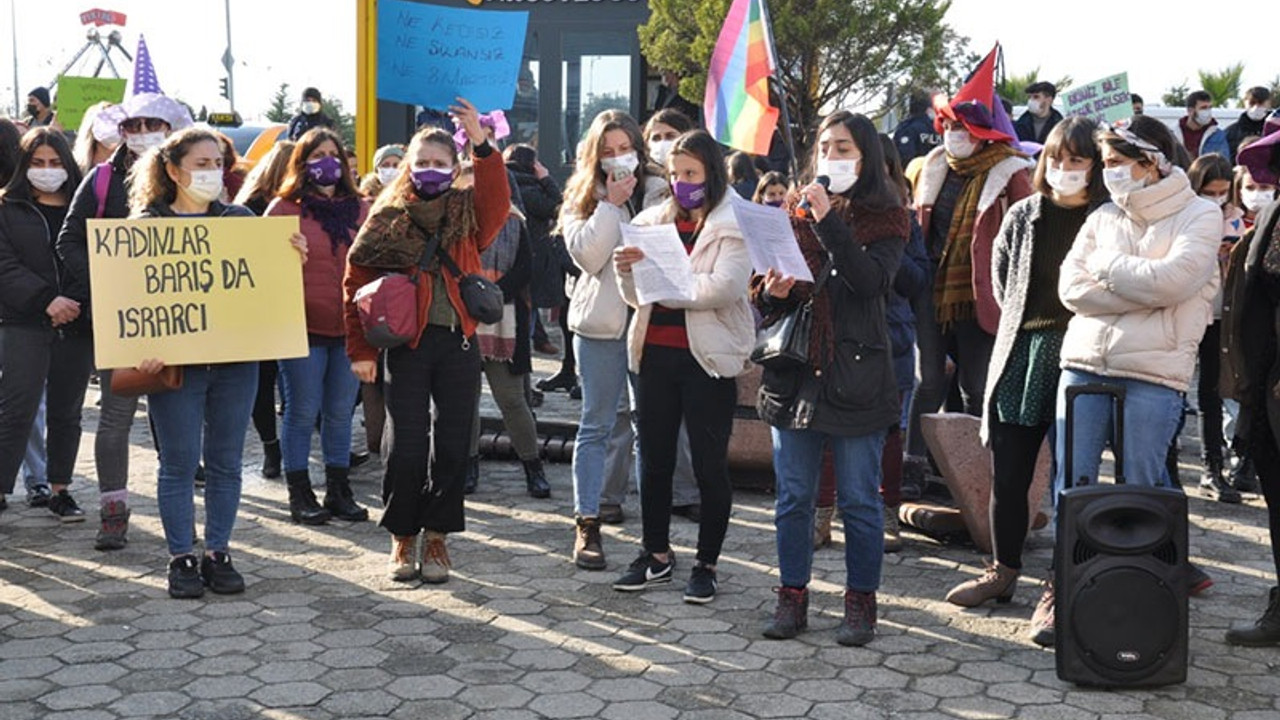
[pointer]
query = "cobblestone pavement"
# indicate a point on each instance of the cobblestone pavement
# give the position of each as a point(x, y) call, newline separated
point(518, 632)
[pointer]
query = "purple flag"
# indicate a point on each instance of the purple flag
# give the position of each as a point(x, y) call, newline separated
point(144, 73)
point(1000, 121)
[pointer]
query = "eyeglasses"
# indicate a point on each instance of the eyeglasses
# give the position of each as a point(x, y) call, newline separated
point(134, 125)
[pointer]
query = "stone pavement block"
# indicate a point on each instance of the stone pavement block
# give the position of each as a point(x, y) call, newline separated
point(566, 705)
point(966, 467)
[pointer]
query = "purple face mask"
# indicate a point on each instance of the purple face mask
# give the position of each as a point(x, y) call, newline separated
point(325, 171)
point(773, 203)
point(431, 181)
point(690, 195)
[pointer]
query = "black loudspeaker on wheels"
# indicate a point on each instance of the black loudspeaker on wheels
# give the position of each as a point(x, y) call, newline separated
point(1120, 574)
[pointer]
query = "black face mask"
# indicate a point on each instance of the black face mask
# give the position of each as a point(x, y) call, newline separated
point(32, 110)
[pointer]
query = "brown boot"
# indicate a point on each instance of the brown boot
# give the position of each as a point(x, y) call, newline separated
point(403, 566)
point(892, 530)
point(588, 553)
point(435, 558)
point(997, 583)
point(822, 526)
point(115, 526)
point(1044, 623)
point(791, 616)
point(859, 626)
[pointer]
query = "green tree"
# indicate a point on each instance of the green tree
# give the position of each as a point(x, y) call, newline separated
point(1224, 85)
point(279, 111)
point(598, 103)
point(345, 122)
point(1176, 95)
point(830, 52)
point(1013, 87)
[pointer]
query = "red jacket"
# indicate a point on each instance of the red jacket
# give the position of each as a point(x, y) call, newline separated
point(323, 272)
point(492, 205)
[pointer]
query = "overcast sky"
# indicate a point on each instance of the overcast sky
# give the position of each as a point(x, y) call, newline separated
point(313, 43)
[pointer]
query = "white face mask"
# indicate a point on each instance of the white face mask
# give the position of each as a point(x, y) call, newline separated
point(205, 187)
point(1120, 180)
point(1220, 200)
point(842, 173)
point(959, 143)
point(46, 180)
point(140, 143)
point(1204, 117)
point(387, 175)
point(627, 163)
point(1066, 182)
point(1036, 107)
point(310, 107)
point(1255, 200)
point(660, 150)
point(1256, 113)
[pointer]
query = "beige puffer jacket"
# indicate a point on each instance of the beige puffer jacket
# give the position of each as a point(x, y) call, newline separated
point(720, 326)
point(596, 309)
point(1141, 278)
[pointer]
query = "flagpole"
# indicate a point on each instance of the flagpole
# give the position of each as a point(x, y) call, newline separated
point(782, 94)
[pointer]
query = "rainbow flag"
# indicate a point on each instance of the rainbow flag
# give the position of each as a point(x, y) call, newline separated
point(737, 101)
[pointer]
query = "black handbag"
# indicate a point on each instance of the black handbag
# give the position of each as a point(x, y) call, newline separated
point(481, 296)
point(785, 343)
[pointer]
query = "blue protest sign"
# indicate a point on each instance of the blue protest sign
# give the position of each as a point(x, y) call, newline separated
point(428, 55)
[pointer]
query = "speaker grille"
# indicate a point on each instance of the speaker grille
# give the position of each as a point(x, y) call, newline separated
point(1167, 554)
point(1083, 552)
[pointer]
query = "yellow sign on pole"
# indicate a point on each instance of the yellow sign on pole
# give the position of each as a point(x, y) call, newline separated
point(195, 290)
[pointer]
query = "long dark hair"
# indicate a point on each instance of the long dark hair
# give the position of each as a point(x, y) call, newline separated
point(298, 182)
point(698, 145)
point(18, 185)
point(873, 189)
point(9, 139)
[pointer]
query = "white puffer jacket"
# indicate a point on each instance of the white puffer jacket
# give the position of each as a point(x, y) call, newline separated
point(1140, 279)
point(596, 309)
point(718, 320)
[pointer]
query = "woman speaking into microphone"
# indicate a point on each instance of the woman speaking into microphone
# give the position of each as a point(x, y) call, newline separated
point(852, 233)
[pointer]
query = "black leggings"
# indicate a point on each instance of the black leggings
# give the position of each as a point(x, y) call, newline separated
point(1014, 449)
point(1266, 459)
point(568, 366)
point(264, 406)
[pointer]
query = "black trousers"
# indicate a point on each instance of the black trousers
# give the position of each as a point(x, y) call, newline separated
point(31, 359)
point(1266, 459)
point(672, 388)
point(426, 460)
point(1209, 397)
point(1014, 449)
point(264, 405)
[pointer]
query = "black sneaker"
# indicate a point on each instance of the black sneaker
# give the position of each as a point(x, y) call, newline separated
point(65, 508)
point(645, 571)
point(38, 496)
point(702, 585)
point(218, 574)
point(184, 577)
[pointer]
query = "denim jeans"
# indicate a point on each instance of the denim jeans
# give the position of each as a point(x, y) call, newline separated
point(210, 410)
point(35, 462)
point(602, 365)
point(319, 385)
point(797, 459)
point(31, 359)
point(1151, 416)
point(111, 443)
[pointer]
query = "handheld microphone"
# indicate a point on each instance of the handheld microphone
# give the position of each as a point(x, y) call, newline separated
point(803, 210)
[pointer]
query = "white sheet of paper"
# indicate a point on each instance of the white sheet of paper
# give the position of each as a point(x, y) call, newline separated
point(771, 242)
point(665, 273)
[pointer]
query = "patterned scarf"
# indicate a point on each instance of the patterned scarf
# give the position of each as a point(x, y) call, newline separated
point(396, 233)
point(498, 340)
point(337, 216)
point(953, 287)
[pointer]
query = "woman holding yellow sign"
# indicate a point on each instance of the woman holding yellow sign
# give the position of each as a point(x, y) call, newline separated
point(209, 414)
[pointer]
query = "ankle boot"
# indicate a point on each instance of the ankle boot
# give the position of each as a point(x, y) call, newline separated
point(535, 479)
point(997, 583)
point(859, 626)
point(1265, 631)
point(115, 525)
point(560, 381)
point(1243, 476)
point(303, 507)
point(338, 499)
point(472, 479)
point(822, 526)
point(403, 565)
point(791, 617)
point(271, 459)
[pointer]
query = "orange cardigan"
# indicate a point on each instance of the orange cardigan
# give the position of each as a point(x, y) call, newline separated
point(493, 204)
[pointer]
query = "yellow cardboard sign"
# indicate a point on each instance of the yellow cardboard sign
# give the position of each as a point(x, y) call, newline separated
point(195, 290)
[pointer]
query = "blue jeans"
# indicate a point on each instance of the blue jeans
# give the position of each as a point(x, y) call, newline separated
point(602, 365)
point(797, 460)
point(212, 410)
point(319, 385)
point(35, 463)
point(1151, 416)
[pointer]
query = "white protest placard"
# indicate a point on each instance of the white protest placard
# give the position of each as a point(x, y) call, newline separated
point(1105, 100)
point(771, 241)
point(665, 272)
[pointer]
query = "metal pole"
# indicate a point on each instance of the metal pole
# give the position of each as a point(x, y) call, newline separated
point(782, 95)
point(13, 23)
point(231, 82)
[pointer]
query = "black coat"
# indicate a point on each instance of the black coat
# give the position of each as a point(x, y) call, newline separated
point(1026, 128)
point(855, 392)
point(542, 198)
point(1250, 334)
point(915, 137)
point(1241, 129)
point(73, 241)
point(29, 268)
point(299, 124)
